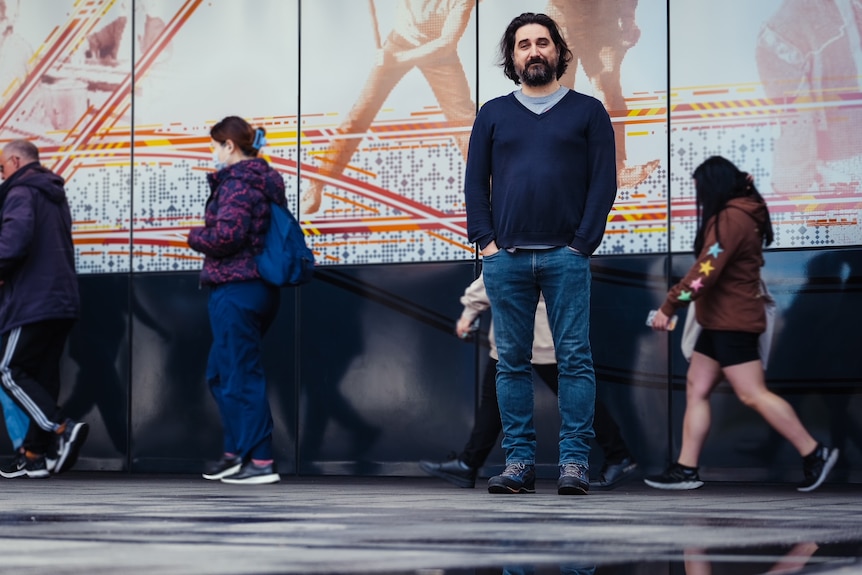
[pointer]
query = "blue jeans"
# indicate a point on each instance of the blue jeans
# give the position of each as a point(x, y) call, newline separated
point(240, 314)
point(16, 420)
point(513, 282)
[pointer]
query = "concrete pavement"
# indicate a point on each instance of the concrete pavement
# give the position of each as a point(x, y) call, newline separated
point(89, 522)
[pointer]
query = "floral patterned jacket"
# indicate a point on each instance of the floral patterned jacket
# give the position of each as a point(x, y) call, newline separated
point(237, 217)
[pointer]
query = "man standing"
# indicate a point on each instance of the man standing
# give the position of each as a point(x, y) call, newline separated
point(38, 307)
point(540, 182)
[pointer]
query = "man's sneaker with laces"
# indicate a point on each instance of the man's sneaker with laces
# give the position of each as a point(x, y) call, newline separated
point(816, 467)
point(574, 479)
point(614, 474)
point(676, 477)
point(227, 465)
point(252, 474)
point(69, 442)
point(34, 467)
point(517, 478)
point(452, 470)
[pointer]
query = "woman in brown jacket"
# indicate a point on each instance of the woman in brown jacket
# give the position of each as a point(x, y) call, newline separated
point(733, 226)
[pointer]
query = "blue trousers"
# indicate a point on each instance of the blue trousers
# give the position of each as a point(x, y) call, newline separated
point(240, 314)
point(513, 282)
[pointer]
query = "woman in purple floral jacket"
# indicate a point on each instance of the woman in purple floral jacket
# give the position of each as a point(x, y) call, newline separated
point(241, 305)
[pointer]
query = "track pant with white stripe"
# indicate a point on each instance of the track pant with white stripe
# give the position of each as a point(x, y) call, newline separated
point(30, 373)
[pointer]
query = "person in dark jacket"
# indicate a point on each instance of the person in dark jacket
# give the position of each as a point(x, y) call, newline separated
point(241, 305)
point(733, 226)
point(39, 304)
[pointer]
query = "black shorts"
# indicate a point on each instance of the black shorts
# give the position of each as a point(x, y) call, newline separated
point(728, 347)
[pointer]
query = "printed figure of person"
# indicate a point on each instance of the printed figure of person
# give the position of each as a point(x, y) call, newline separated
point(539, 185)
point(14, 66)
point(425, 36)
point(9, 10)
point(241, 305)
point(461, 470)
point(39, 304)
point(810, 51)
point(599, 34)
point(733, 226)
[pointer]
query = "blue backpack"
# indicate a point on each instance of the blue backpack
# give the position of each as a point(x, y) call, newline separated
point(285, 259)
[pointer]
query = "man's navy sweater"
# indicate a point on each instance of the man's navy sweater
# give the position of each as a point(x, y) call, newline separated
point(540, 179)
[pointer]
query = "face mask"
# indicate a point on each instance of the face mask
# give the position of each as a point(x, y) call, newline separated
point(218, 163)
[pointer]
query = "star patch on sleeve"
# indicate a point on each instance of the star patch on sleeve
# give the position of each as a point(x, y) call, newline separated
point(684, 296)
point(714, 250)
point(706, 268)
point(696, 285)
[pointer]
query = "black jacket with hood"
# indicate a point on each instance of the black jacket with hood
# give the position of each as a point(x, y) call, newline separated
point(37, 257)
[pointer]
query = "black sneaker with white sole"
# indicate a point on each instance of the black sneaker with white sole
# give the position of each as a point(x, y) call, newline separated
point(251, 474)
point(69, 443)
point(816, 467)
point(676, 477)
point(223, 467)
point(22, 465)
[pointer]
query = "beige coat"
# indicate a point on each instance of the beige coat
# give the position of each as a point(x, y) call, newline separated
point(475, 301)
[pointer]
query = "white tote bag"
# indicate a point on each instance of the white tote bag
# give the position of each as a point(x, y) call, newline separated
point(691, 329)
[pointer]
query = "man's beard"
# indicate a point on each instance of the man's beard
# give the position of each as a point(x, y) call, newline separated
point(537, 72)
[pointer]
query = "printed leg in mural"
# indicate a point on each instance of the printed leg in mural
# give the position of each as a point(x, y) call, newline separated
point(425, 41)
point(599, 34)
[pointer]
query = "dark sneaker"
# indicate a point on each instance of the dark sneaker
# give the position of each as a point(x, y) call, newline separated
point(517, 478)
point(251, 474)
point(676, 477)
point(615, 474)
point(23, 465)
point(222, 468)
point(69, 443)
point(452, 470)
point(817, 466)
point(574, 479)
point(51, 461)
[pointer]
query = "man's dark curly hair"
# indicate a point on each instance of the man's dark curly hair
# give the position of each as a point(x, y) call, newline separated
point(507, 44)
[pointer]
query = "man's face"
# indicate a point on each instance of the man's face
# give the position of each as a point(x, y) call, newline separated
point(535, 55)
point(9, 164)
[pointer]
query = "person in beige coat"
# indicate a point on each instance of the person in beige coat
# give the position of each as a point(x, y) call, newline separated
point(461, 469)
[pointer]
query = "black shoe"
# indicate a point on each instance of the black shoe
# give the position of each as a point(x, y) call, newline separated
point(574, 479)
point(615, 474)
point(23, 465)
point(676, 477)
point(251, 474)
point(452, 470)
point(69, 444)
point(517, 478)
point(223, 467)
point(817, 466)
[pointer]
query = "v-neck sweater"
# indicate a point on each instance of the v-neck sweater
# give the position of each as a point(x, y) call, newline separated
point(540, 179)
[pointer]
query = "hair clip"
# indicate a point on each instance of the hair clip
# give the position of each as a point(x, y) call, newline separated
point(259, 139)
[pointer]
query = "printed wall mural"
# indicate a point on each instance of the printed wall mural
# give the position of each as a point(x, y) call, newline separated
point(780, 97)
point(368, 112)
point(119, 96)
